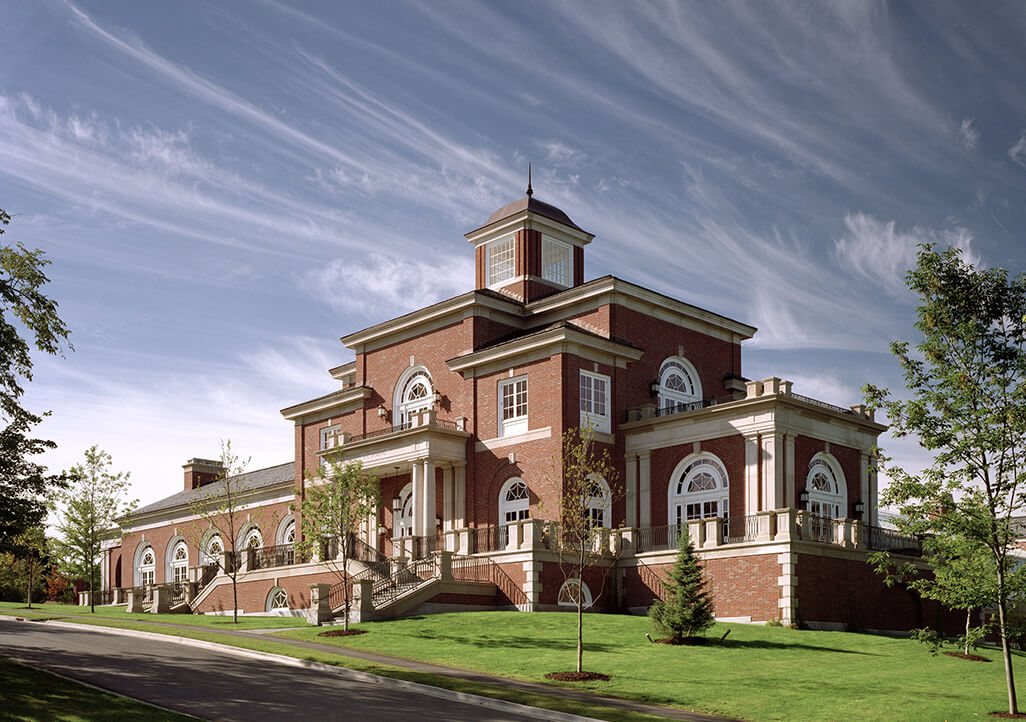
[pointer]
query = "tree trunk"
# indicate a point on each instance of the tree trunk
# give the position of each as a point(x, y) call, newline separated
point(92, 571)
point(1006, 653)
point(28, 588)
point(968, 616)
point(345, 582)
point(580, 610)
point(235, 598)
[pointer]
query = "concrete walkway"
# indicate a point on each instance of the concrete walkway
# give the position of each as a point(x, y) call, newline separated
point(480, 677)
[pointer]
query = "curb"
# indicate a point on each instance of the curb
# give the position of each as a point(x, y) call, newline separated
point(401, 684)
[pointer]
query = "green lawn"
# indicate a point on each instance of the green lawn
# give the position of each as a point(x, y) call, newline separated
point(40, 611)
point(757, 673)
point(31, 695)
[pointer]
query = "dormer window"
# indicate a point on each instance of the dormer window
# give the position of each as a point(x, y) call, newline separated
point(557, 262)
point(501, 266)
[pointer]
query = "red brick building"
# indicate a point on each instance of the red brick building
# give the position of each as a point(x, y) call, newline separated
point(459, 409)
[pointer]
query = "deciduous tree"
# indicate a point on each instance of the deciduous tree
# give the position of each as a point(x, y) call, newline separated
point(88, 512)
point(967, 381)
point(584, 507)
point(24, 311)
point(338, 499)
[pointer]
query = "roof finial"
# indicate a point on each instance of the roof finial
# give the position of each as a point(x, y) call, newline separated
point(530, 191)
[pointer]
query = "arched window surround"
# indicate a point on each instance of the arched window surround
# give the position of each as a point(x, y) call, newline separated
point(207, 554)
point(176, 565)
point(569, 591)
point(514, 505)
point(277, 601)
point(414, 391)
point(699, 488)
point(250, 533)
point(679, 382)
point(600, 505)
point(286, 527)
point(827, 487)
point(145, 566)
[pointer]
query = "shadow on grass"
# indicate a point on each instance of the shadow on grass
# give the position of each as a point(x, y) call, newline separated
point(519, 642)
point(764, 644)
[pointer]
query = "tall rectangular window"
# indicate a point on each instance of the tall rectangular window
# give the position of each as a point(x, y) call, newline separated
point(513, 406)
point(500, 261)
point(556, 262)
point(595, 401)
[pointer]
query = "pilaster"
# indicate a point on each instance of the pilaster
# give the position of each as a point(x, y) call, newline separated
point(751, 474)
point(645, 489)
point(632, 490)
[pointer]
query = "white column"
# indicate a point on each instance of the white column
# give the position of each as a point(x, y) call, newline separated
point(772, 471)
point(429, 497)
point(645, 491)
point(460, 495)
point(751, 474)
point(632, 491)
point(789, 486)
point(448, 505)
point(417, 477)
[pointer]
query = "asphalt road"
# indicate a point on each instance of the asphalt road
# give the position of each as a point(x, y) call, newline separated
point(218, 686)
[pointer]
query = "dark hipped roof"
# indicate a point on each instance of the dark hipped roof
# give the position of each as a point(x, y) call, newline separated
point(530, 203)
point(520, 335)
point(253, 480)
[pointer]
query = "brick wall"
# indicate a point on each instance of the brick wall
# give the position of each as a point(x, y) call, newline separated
point(849, 459)
point(252, 594)
point(729, 449)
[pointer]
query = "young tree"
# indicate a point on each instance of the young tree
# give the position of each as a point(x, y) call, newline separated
point(223, 509)
point(688, 607)
point(584, 506)
point(30, 559)
point(338, 499)
point(90, 508)
point(967, 379)
point(23, 483)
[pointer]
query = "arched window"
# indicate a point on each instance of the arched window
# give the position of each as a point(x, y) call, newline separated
point(212, 550)
point(571, 590)
point(289, 535)
point(678, 383)
point(828, 492)
point(146, 567)
point(699, 488)
point(514, 505)
point(414, 392)
point(251, 538)
point(599, 503)
point(278, 599)
point(403, 524)
point(180, 563)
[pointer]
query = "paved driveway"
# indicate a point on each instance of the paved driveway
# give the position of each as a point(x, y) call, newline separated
point(219, 686)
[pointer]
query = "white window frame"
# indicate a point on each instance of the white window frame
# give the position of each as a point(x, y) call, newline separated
point(403, 406)
point(512, 510)
point(501, 260)
point(684, 505)
point(517, 422)
point(600, 507)
point(326, 432)
point(147, 569)
point(207, 557)
point(403, 526)
point(569, 591)
point(828, 504)
point(274, 596)
point(670, 397)
point(557, 270)
point(180, 563)
point(588, 401)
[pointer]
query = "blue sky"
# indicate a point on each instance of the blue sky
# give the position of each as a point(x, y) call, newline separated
point(226, 189)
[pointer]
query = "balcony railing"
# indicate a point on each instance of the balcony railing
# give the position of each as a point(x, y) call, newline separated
point(739, 529)
point(652, 411)
point(283, 555)
point(821, 404)
point(880, 539)
point(425, 417)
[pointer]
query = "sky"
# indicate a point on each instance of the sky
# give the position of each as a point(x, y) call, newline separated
point(225, 189)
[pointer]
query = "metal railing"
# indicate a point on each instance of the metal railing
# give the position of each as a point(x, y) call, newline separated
point(403, 580)
point(178, 593)
point(653, 411)
point(394, 429)
point(283, 555)
point(471, 569)
point(880, 539)
point(738, 529)
point(656, 538)
point(487, 539)
point(821, 404)
point(208, 574)
point(819, 529)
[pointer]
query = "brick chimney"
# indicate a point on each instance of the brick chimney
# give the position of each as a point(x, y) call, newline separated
point(200, 471)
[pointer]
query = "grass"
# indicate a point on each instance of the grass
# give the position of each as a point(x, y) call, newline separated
point(32, 695)
point(40, 611)
point(757, 673)
point(170, 624)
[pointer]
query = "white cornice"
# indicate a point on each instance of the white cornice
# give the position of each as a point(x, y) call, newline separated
point(340, 402)
point(183, 513)
point(543, 345)
point(527, 219)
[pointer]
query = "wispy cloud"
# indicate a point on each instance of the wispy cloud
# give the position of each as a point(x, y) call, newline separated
point(379, 287)
point(881, 254)
point(1018, 151)
point(967, 134)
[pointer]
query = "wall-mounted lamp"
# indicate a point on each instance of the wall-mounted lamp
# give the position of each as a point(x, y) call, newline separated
point(860, 508)
point(803, 496)
point(653, 388)
point(397, 506)
point(382, 412)
point(437, 397)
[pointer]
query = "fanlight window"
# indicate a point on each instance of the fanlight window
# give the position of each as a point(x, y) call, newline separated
point(599, 502)
point(678, 383)
point(148, 558)
point(416, 393)
point(827, 493)
point(289, 537)
point(514, 505)
point(700, 491)
point(180, 563)
point(571, 591)
point(278, 599)
point(147, 567)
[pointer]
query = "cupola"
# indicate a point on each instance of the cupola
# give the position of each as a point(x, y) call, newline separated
point(529, 250)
